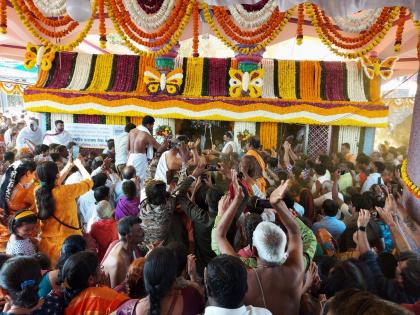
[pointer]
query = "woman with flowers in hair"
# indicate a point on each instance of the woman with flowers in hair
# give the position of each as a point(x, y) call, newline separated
point(16, 194)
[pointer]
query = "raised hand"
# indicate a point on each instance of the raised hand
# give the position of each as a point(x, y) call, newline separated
point(385, 215)
point(363, 219)
point(278, 194)
point(238, 191)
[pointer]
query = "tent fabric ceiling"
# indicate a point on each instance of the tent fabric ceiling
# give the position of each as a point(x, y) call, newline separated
point(335, 7)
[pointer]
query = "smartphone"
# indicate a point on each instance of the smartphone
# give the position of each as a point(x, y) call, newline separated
point(75, 151)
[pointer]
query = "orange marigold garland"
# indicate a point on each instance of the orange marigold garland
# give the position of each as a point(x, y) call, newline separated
point(102, 28)
point(400, 29)
point(3, 17)
point(301, 19)
point(62, 21)
point(195, 29)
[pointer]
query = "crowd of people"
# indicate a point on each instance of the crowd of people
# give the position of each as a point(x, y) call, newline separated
point(165, 228)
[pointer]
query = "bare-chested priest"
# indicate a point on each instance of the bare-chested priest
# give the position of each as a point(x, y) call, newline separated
point(140, 146)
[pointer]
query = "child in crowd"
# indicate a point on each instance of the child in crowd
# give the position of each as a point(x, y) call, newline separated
point(22, 226)
point(129, 204)
point(101, 194)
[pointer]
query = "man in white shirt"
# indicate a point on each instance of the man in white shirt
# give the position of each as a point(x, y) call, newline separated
point(59, 136)
point(225, 279)
point(375, 176)
point(121, 152)
point(30, 135)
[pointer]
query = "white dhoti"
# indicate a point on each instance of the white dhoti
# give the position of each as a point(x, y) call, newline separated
point(162, 168)
point(139, 162)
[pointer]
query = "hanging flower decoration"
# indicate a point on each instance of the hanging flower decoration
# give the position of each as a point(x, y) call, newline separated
point(354, 47)
point(412, 187)
point(243, 84)
point(51, 7)
point(39, 56)
point(27, 17)
point(244, 136)
point(164, 38)
point(374, 67)
point(400, 29)
point(164, 131)
point(358, 24)
point(301, 20)
point(102, 27)
point(256, 39)
point(252, 19)
point(157, 83)
point(195, 29)
point(3, 17)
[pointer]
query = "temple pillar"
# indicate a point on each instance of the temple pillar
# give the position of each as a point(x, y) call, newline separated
point(411, 203)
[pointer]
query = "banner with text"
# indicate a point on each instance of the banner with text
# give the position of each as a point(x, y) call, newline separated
point(92, 135)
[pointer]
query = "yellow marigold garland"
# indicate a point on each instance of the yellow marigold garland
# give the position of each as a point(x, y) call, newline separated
point(236, 48)
point(354, 54)
point(407, 181)
point(102, 74)
point(67, 47)
point(268, 135)
point(287, 79)
point(165, 49)
point(194, 77)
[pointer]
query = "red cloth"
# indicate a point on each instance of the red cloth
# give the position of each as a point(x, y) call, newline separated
point(104, 232)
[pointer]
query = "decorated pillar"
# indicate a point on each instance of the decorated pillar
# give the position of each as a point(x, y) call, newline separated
point(411, 170)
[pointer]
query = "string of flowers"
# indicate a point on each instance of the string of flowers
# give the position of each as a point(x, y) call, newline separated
point(354, 54)
point(268, 66)
point(287, 79)
point(124, 73)
point(146, 20)
point(150, 6)
point(413, 188)
point(237, 48)
point(128, 26)
point(165, 49)
point(62, 21)
point(400, 29)
point(35, 22)
point(3, 17)
point(67, 47)
point(194, 77)
point(81, 72)
point(225, 21)
point(102, 75)
point(102, 27)
point(195, 29)
point(301, 20)
point(51, 7)
point(252, 19)
point(164, 131)
point(360, 23)
point(355, 88)
point(61, 75)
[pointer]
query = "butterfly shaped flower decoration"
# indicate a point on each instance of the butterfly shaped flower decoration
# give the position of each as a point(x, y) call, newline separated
point(39, 55)
point(162, 83)
point(243, 84)
point(374, 67)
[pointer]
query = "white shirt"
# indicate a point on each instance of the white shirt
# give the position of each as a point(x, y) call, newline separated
point(86, 206)
point(121, 153)
point(27, 133)
point(234, 146)
point(74, 178)
point(374, 178)
point(62, 138)
point(243, 310)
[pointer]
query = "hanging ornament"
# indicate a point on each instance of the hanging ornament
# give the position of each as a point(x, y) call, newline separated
point(374, 67)
point(3, 17)
point(301, 20)
point(195, 29)
point(102, 28)
point(242, 84)
point(400, 29)
point(79, 10)
point(40, 56)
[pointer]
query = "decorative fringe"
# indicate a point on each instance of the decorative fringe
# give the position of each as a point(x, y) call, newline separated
point(194, 77)
point(125, 73)
point(286, 79)
point(268, 66)
point(268, 135)
point(217, 77)
point(81, 72)
point(63, 69)
point(145, 61)
point(310, 80)
point(102, 74)
point(136, 120)
point(355, 88)
point(115, 120)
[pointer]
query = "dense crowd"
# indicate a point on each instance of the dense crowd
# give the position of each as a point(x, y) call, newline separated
point(165, 228)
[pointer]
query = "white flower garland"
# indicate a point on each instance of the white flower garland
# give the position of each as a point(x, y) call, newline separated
point(51, 7)
point(355, 87)
point(268, 87)
point(358, 24)
point(252, 19)
point(81, 72)
point(149, 21)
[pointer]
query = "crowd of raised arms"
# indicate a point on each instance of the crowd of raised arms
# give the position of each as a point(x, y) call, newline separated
point(167, 228)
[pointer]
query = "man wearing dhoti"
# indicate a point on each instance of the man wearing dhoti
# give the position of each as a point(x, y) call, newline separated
point(59, 136)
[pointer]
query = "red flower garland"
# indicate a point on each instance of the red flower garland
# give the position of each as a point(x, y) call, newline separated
point(400, 29)
point(301, 19)
point(102, 27)
point(3, 17)
point(195, 30)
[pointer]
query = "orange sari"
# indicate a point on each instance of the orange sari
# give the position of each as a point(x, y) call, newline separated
point(96, 301)
point(22, 198)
